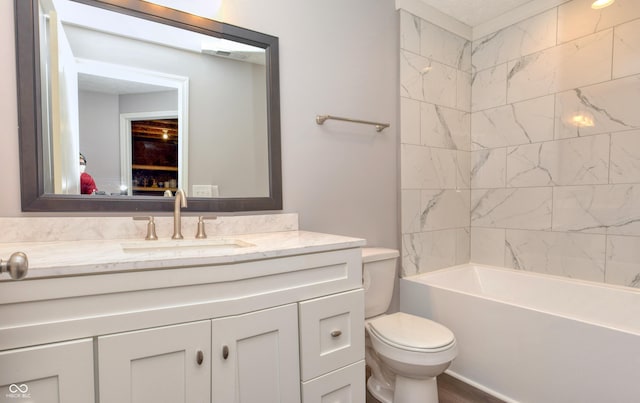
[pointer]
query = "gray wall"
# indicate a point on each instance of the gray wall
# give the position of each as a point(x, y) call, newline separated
point(98, 140)
point(336, 58)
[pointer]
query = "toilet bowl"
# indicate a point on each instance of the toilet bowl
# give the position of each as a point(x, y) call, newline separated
point(404, 352)
point(414, 350)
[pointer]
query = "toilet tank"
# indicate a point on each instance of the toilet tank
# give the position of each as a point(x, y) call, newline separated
point(378, 279)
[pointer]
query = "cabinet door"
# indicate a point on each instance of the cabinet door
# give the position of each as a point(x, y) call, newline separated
point(61, 372)
point(255, 357)
point(162, 365)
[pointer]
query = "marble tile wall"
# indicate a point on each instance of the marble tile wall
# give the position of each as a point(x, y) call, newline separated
point(550, 105)
point(435, 106)
point(555, 144)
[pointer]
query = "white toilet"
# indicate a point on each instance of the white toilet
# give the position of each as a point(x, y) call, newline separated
point(405, 352)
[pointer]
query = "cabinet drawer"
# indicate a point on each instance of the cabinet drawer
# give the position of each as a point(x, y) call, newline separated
point(345, 385)
point(331, 333)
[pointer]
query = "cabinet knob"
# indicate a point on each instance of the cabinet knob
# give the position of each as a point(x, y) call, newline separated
point(336, 333)
point(17, 266)
point(199, 357)
point(225, 352)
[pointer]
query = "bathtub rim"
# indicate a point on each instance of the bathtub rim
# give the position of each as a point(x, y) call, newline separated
point(519, 272)
point(522, 272)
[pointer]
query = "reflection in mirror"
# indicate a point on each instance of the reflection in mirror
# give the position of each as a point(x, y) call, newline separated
point(111, 78)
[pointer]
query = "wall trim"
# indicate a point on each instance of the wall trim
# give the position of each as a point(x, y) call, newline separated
point(445, 21)
point(434, 16)
point(514, 16)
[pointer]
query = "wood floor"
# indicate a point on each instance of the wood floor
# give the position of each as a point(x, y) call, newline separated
point(452, 390)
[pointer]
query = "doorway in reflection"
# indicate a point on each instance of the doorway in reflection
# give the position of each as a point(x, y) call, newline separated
point(154, 156)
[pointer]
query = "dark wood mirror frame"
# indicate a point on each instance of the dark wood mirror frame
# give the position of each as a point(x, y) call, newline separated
point(33, 197)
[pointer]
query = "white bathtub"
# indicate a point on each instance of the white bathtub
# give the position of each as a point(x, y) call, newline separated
point(527, 337)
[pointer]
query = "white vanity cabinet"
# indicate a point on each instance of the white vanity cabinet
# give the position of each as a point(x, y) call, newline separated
point(53, 373)
point(255, 357)
point(285, 329)
point(251, 357)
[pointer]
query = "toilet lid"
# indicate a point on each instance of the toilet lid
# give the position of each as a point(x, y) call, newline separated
point(411, 332)
point(375, 254)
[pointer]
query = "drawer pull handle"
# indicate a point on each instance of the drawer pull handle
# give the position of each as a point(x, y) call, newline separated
point(336, 333)
point(225, 352)
point(199, 357)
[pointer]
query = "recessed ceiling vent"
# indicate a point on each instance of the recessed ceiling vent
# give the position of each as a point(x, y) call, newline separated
point(233, 50)
point(237, 55)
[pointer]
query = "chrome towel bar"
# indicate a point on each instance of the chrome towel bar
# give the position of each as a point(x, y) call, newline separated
point(320, 119)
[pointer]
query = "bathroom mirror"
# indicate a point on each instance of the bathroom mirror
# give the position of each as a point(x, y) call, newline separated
point(88, 68)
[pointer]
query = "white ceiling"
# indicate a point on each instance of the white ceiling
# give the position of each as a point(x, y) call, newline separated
point(475, 12)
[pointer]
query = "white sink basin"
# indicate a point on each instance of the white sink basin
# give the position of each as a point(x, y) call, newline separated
point(219, 244)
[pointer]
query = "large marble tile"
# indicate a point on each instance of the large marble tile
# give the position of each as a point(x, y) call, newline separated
point(525, 122)
point(489, 88)
point(580, 256)
point(409, 32)
point(410, 211)
point(488, 168)
point(611, 209)
point(575, 64)
point(439, 83)
point(444, 127)
point(577, 18)
point(428, 167)
point(445, 47)
point(412, 68)
point(428, 251)
point(442, 209)
point(526, 37)
point(626, 49)
point(623, 261)
point(409, 121)
point(463, 83)
point(487, 246)
point(520, 208)
point(625, 157)
point(579, 161)
point(610, 106)
point(463, 174)
point(463, 245)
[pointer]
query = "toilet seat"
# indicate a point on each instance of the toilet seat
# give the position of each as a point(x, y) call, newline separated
point(411, 333)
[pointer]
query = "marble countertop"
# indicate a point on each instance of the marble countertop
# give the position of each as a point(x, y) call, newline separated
point(71, 258)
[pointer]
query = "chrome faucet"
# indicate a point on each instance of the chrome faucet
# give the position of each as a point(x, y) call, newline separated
point(181, 201)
